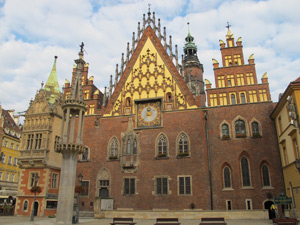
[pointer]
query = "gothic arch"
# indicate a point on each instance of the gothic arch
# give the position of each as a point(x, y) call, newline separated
point(110, 154)
point(103, 181)
point(181, 137)
point(235, 120)
point(226, 180)
point(157, 144)
point(221, 128)
point(265, 173)
point(245, 170)
point(259, 126)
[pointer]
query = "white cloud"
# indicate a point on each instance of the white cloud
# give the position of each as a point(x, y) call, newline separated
point(33, 32)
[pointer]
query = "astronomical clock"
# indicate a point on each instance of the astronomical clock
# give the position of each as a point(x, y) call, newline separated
point(148, 114)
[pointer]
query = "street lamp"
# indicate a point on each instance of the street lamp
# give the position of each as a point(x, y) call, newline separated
point(36, 179)
point(77, 211)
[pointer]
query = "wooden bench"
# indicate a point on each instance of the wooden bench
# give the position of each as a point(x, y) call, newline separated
point(167, 221)
point(213, 221)
point(285, 221)
point(117, 220)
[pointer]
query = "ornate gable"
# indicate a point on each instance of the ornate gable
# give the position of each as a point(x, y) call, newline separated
point(150, 74)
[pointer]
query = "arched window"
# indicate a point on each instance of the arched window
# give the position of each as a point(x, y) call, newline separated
point(225, 130)
point(113, 149)
point(183, 144)
point(265, 175)
point(162, 145)
point(85, 155)
point(243, 99)
point(245, 172)
point(255, 129)
point(25, 205)
point(169, 97)
point(128, 102)
point(227, 177)
point(240, 127)
point(233, 101)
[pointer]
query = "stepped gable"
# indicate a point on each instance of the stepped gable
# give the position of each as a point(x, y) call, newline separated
point(149, 33)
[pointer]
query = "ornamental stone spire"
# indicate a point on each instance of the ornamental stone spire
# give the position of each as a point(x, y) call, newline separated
point(70, 144)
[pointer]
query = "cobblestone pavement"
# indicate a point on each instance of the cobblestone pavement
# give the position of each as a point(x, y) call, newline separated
point(25, 220)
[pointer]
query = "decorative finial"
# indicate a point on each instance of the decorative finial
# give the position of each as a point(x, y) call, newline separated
point(188, 23)
point(42, 84)
point(228, 25)
point(149, 5)
point(81, 47)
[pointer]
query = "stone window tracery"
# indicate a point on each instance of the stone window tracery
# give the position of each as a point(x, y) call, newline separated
point(183, 145)
point(162, 146)
point(240, 128)
point(113, 149)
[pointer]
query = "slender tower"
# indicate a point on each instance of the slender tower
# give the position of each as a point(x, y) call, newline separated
point(70, 144)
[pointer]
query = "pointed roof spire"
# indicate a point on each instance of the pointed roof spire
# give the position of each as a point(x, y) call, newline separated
point(52, 86)
point(190, 45)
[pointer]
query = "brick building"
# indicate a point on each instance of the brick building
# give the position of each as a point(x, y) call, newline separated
point(153, 144)
point(37, 157)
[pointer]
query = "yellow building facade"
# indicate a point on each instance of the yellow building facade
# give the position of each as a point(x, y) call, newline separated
point(10, 142)
point(286, 117)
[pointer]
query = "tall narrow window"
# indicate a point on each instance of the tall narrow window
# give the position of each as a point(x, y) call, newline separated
point(252, 96)
point(25, 206)
point(245, 172)
point(240, 127)
point(161, 186)
point(128, 146)
point(255, 129)
point(223, 99)
point(162, 145)
point(240, 79)
point(38, 141)
point(113, 149)
point(85, 155)
point(296, 148)
point(263, 95)
point(134, 151)
point(129, 186)
point(86, 185)
point(213, 100)
point(29, 141)
point(233, 101)
point(169, 97)
point(250, 79)
point(225, 130)
point(54, 180)
point(32, 179)
point(230, 79)
point(243, 98)
point(183, 144)
point(265, 175)
point(184, 185)
point(221, 81)
point(227, 177)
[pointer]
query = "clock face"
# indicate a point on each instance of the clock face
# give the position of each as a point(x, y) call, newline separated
point(149, 114)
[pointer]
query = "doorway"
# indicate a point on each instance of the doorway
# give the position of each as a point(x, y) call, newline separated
point(36, 208)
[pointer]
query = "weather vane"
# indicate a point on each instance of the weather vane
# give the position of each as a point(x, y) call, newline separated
point(228, 25)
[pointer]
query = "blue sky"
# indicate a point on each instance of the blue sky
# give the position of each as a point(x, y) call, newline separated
point(33, 32)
